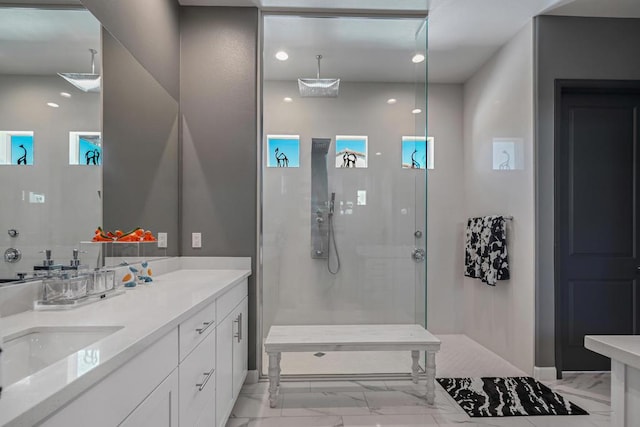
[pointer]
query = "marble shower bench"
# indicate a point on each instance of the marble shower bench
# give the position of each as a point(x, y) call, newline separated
point(311, 338)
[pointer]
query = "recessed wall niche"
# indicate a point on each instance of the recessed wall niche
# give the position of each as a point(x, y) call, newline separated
point(351, 151)
point(85, 148)
point(16, 148)
point(283, 151)
point(418, 152)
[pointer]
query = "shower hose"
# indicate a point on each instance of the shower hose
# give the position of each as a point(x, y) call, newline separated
point(332, 236)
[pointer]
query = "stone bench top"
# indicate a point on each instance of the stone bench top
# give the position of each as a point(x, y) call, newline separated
point(350, 337)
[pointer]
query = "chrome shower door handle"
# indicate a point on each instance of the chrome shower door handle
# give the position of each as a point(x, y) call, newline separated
point(418, 255)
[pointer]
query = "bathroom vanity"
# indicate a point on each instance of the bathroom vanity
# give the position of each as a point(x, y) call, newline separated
point(166, 354)
point(624, 351)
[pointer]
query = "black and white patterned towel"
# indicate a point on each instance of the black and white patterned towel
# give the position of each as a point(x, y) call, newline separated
point(486, 249)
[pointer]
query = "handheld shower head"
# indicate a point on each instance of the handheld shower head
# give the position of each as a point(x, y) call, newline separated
point(332, 203)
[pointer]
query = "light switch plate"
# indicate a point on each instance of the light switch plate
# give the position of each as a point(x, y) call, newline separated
point(196, 240)
point(162, 240)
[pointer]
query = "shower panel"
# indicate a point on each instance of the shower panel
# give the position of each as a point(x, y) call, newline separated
point(319, 198)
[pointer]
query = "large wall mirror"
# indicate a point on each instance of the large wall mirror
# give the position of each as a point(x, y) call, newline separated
point(73, 158)
point(47, 203)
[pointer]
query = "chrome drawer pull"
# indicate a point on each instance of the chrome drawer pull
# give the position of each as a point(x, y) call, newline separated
point(239, 322)
point(207, 377)
point(206, 326)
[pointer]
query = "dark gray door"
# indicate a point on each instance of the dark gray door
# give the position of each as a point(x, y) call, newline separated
point(597, 222)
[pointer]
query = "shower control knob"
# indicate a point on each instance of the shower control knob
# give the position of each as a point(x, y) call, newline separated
point(418, 234)
point(418, 255)
point(13, 232)
point(12, 255)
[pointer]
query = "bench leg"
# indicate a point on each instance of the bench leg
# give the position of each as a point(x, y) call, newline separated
point(431, 377)
point(274, 378)
point(279, 370)
point(415, 355)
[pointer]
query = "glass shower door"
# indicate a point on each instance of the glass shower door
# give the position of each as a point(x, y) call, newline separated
point(343, 212)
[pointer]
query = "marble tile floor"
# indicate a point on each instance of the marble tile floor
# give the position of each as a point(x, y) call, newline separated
point(401, 403)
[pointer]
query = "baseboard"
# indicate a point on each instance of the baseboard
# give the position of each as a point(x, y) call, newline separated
point(252, 377)
point(544, 373)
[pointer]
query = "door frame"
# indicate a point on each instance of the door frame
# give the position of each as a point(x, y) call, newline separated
point(565, 86)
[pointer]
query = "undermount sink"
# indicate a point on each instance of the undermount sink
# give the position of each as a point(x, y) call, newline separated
point(31, 350)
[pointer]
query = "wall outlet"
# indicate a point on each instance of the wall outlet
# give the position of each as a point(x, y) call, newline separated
point(196, 240)
point(162, 240)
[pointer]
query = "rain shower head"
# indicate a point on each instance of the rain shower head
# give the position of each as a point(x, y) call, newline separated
point(319, 88)
point(86, 82)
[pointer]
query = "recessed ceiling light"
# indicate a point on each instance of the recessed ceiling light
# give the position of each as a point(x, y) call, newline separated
point(391, 101)
point(287, 99)
point(417, 58)
point(282, 55)
point(52, 104)
point(416, 111)
point(65, 94)
point(378, 154)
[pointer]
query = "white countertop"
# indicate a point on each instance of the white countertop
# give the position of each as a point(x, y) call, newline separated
point(623, 348)
point(146, 313)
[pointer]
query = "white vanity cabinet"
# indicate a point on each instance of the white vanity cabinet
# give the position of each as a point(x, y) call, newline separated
point(130, 392)
point(190, 377)
point(231, 349)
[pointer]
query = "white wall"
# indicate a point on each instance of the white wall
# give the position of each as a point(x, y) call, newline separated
point(445, 210)
point(378, 283)
point(498, 103)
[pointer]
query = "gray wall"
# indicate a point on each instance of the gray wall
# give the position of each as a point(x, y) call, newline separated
point(218, 72)
point(72, 207)
point(149, 29)
point(568, 48)
point(140, 135)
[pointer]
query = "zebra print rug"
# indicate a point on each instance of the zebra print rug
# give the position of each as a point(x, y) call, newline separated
point(507, 397)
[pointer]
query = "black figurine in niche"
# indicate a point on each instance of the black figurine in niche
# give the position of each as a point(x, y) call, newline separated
point(414, 163)
point(349, 160)
point(282, 159)
point(505, 165)
point(23, 159)
point(92, 157)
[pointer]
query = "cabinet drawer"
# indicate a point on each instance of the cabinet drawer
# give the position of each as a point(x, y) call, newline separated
point(198, 383)
point(196, 328)
point(227, 302)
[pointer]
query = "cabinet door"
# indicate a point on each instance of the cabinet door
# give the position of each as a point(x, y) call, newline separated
point(240, 347)
point(159, 409)
point(224, 370)
point(198, 384)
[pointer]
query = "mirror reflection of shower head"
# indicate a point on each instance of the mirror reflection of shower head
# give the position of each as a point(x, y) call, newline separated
point(319, 88)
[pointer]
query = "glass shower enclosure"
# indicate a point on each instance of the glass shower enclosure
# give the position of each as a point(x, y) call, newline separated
point(344, 181)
